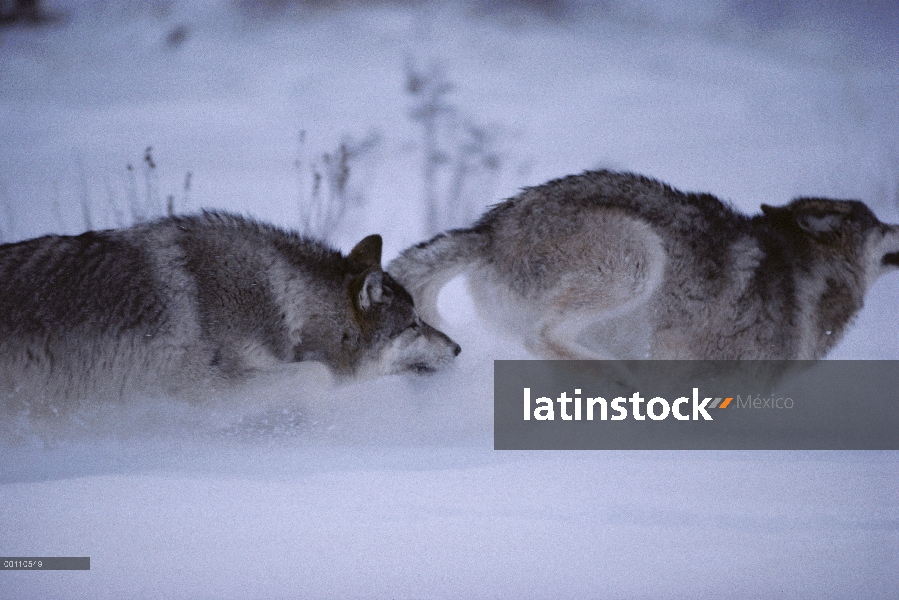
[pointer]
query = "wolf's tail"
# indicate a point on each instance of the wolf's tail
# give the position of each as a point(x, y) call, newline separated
point(425, 268)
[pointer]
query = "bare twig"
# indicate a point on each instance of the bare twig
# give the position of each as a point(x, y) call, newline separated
point(460, 160)
point(331, 193)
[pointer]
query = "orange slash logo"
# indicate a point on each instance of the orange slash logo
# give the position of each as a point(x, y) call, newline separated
point(719, 404)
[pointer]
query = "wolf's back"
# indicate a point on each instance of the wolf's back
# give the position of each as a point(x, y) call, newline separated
point(98, 281)
point(83, 316)
point(425, 268)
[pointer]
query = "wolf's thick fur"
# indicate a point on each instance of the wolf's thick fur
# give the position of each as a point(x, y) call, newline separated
point(198, 302)
point(615, 265)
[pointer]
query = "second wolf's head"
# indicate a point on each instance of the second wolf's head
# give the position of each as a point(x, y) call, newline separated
point(841, 233)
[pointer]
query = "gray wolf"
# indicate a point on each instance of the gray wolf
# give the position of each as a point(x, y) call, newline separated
point(608, 265)
point(204, 301)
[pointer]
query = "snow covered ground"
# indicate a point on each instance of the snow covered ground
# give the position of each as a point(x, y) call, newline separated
point(391, 489)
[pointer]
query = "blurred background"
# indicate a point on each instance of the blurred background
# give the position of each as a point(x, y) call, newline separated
point(306, 111)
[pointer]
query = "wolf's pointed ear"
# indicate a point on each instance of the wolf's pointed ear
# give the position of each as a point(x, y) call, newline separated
point(815, 221)
point(780, 216)
point(770, 211)
point(368, 252)
point(819, 224)
point(372, 291)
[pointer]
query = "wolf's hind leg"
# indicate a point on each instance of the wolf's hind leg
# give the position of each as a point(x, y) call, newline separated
point(593, 336)
point(597, 314)
point(558, 338)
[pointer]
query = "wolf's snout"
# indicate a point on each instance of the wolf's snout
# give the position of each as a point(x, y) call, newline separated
point(456, 349)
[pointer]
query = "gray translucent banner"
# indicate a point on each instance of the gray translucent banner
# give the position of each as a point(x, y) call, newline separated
point(696, 405)
point(45, 563)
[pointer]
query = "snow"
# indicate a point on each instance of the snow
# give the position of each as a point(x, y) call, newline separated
point(391, 488)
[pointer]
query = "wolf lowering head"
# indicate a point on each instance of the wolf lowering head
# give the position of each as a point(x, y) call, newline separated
point(199, 301)
point(393, 337)
point(613, 265)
